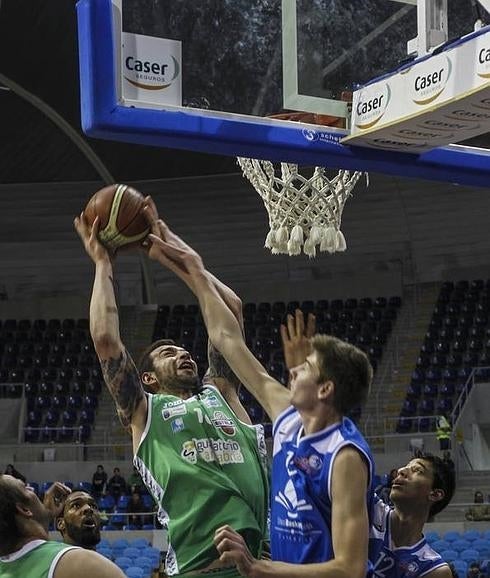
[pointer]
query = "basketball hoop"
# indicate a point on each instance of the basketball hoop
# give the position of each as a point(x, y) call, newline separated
point(303, 211)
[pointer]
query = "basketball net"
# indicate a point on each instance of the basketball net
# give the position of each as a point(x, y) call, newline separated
point(303, 212)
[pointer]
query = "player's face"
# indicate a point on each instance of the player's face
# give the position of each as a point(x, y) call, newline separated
point(30, 501)
point(81, 520)
point(413, 482)
point(304, 383)
point(174, 367)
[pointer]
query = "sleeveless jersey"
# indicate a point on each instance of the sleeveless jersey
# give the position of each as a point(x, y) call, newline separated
point(205, 469)
point(37, 559)
point(301, 508)
point(391, 562)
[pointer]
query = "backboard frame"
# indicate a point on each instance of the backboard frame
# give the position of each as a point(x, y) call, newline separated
point(231, 134)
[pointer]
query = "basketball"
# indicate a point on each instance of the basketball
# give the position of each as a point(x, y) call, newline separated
point(122, 222)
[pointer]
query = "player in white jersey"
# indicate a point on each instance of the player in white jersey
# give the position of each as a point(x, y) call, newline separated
point(397, 547)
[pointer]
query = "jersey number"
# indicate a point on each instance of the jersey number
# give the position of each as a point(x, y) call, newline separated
point(383, 566)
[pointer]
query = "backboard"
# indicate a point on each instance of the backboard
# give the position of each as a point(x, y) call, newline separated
point(206, 75)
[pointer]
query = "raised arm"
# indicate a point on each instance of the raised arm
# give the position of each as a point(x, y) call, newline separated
point(223, 328)
point(119, 371)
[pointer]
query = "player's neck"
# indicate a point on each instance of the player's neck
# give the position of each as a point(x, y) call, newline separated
point(407, 525)
point(317, 421)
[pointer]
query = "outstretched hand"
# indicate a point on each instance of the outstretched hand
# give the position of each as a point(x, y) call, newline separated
point(55, 498)
point(170, 250)
point(233, 550)
point(296, 337)
point(88, 234)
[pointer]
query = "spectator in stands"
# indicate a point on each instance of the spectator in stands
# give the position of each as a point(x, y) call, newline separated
point(116, 486)
point(11, 471)
point(167, 433)
point(474, 571)
point(79, 523)
point(443, 433)
point(135, 483)
point(479, 512)
point(25, 549)
point(397, 547)
point(446, 457)
point(136, 507)
point(99, 481)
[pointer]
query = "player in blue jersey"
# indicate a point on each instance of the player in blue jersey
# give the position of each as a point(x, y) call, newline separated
point(322, 467)
point(397, 547)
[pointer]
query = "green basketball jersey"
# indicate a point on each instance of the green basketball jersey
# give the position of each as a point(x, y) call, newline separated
point(205, 469)
point(37, 559)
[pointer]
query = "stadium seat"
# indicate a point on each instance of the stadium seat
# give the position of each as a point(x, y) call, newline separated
point(471, 535)
point(404, 425)
point(449, 555)
point(84, 487)
point(139, 543)
point(440, 545)
point(461, 567)
point(460, 545)
point(134, 572)
point(123, 562)
point(483, 547)
point(431, 537)
point(470, 555)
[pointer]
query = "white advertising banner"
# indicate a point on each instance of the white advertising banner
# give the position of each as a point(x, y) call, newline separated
point(440, 100)
point(151, 70)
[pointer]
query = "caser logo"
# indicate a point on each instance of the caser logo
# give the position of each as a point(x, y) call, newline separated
point(428, 80)
point(483, 62)
point(151, 74)
point(371, 106)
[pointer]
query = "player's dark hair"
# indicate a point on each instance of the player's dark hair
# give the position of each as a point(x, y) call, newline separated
point(10, 534)
point(347, 367)
point(444, 479)
point(145, 363)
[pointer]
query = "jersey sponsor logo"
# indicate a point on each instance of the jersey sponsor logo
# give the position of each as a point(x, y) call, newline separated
point(309, 464)
point(212, 401)
point(212, 450)
point(289, 500)
point(224, 423)
point(177, 425)
point(172, 411)
point(189, 452)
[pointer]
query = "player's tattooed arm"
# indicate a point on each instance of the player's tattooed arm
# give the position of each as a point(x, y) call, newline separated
point(123, 381)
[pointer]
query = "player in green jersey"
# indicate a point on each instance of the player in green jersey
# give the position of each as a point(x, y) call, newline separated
point(25, 549)
point(194, 446)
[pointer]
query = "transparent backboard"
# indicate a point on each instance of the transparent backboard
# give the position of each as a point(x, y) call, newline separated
point(259, 57)
point(207, 75)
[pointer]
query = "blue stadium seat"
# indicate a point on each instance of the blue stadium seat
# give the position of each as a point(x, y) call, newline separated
point(52, 418)
point(460, 545)
point(431, 537)
point(471, 535)
point(404, 425)
point(123, 562)
point(440, 545)
point(427, 407)
point(470, 555)
point(461, 567)
point(430, 390)
point(84, 487)
point(69, 417)
point(409, 408)
point(131, 552)
point(122, 503)
point(483, 547)
point(449, 555)
point(134, 572)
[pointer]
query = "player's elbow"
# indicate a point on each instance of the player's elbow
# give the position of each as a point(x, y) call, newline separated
point(104, 342)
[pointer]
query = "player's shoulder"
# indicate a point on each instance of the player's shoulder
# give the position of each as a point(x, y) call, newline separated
point(78, 563)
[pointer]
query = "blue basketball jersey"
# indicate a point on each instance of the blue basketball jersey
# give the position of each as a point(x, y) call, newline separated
point(391, 562)
point(301, 487)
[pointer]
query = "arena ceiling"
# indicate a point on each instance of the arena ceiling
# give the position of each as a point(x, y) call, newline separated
point(38, 51)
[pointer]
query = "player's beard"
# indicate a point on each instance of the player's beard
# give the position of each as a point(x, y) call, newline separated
point(178, 383)
point(85, 537)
